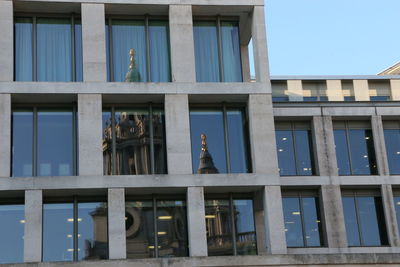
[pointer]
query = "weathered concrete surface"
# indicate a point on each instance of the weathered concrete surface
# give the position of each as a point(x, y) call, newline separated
point(5, 134)
point(33, 226)
point(379, 145)
point(116, 223)
point(390, 215)
point(319, 146)
point(6, 41)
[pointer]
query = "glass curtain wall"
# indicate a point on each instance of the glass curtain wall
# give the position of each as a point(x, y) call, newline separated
point(150, 40)
point(217, 51)
point(396, 200)
point(75, 230)
point(302, 219)
point(355, 151)
point(166, 218)
point(12, 220)
point(294, 148)
point(43, 141)
point(230, 226)
point(133, 141)
point(227, 135)
point(392, 141)
point(48, 49)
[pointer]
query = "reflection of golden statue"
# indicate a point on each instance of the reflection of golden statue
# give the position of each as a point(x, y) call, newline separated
point(133, 74)
point(206, 164)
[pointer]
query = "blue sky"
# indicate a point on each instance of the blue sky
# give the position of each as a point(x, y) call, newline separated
point(332, 37)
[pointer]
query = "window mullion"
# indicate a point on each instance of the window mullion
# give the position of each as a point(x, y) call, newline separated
point(227, 151)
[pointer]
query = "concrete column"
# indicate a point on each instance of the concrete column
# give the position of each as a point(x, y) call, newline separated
point(273, 219)
point(6, 41)
point(379, 144)
point(320, 146)
point(244, 51)
point(260, 46)
point(33, 226)
point(330, 146)
point(262, 136)
point(334, 90)
point(182, 44)
point(5, 134)
point(90, 134)
point(262, 243)
point(361, 90)
point(116, 223)
point(395, 89)
point(94, 43)
point(295, 90)
point(332, 213)
point(390, 215)
point(177, 128)
point(196, 222)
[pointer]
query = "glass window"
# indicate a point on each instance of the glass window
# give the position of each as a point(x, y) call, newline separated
point(167, 218)
point(364, 219)
point(150, 41)
point(225, 133)
point(355, 151)
point(230, 227)
point(48, 49)
point(217, 51)
point(314, 91)
point(392, 141)
point(302, 219)
point(70, 237)
point(397, 207)
point(12, 219)
point(133, 141)
point(43, 142)
point(294, 148)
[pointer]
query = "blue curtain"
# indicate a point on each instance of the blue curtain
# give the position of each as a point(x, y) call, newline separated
point(159, 51)
point(78, 51)
point(23, 49)
point(206, 52)
point(127, 35)
point(108, 53)
point(231, 52)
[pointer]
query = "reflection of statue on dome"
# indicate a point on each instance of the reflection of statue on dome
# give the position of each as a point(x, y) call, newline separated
point(206, 164)
point(133, 74)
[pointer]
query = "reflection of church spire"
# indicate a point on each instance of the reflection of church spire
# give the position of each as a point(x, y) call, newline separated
point(133, 74)
point(206, 162)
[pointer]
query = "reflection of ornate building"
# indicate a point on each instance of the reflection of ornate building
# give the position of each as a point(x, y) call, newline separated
point(98, 247)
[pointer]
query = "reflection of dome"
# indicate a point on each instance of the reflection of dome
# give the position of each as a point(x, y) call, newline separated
point(132, 222)
point(206, 164)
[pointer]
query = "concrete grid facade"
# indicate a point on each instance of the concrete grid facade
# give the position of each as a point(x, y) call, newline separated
point(264, 181)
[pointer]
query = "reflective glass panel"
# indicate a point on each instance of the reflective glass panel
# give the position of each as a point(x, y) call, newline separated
point(107, 142)
point(231, 52)
point(362, 152)
point(351, 221)
point(392, 141)
point(58, 230)
point(285, 150)
point(303, 150)
point(397, 207)
point(55, 143)
point(312, 222)
point(12, 233)
point(238, 153)
point(342, 153)
point(22, 143)
point(293, 224)
point(159, 51)
point(92, 231)
point(23, 49)
point(160, 158)
point(78, 51)
point(246, 243)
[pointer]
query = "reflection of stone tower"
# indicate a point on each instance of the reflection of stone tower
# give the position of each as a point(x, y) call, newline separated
point(98, 247)
point(206, 164)
point(133, 74)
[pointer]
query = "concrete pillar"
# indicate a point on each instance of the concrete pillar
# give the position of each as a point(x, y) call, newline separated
point(379, 144)
point(94, 43)
point(33, 226)
point(330, 146)
point(116, 223)
point(295, 90)
point(262, 243)
point(177, 128)
point(260, 46)
point(262, 136)
point(273, 219)
point(90, 134)
point(332, 213)
point(6, 41)
point(182, 44)
point(395, 89)
point(334, 90)
point(5, 134)
point(196, 222)
point(361, 90)
point(244, 51)
point(319, 144)
point(390, 215)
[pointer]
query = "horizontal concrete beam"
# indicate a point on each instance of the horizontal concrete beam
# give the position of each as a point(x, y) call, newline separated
point(334, 77)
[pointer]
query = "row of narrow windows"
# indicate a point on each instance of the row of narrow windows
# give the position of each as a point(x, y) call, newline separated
point(76, 229)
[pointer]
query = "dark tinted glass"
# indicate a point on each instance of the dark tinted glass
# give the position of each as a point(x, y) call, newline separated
point(286, 155)
point(392, 141)
point(310, 98)
point(380, 98)
point(245, 231)
point(293, 224)
point(107, 143)
point(351, 221)
point(12, 233)
point(280, 99)
point(342, 152)
point(303, 150)
point(397, 207)
point(349, 98)
point(160, 161)
point(312, 222)
point(22, 143)
point(362, 152)
point(78, 51)
point(237, 144)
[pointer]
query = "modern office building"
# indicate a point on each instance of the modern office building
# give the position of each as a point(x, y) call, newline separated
point(132, 135)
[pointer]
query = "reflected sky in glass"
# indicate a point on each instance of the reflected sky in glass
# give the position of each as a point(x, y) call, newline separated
point(397, 207)
point(392, 141)
point(22, 143)
point(246, 243)
point(11, 233)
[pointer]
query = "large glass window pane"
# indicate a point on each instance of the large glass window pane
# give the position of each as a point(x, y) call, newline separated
point(55, 143)
point(22, 143)
point(78, 51)
point(159, 51)
point(107, 142)
point(219, 227)
point(286, 155)
point(139, 225)
point(54, 53)
point(293, 224)
point(206, 51)
point(351, 221)
point(58, 231)
point(23, 49)
point(238, 153)
point(12, 233)
point(362, 152)
point(312, 223)
point(245, 231)
point(92, 231)
point(160, 157)
point(231, 52)
point(397, 207)
point(342, 153)
point(303, 150)
point(392, 141)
